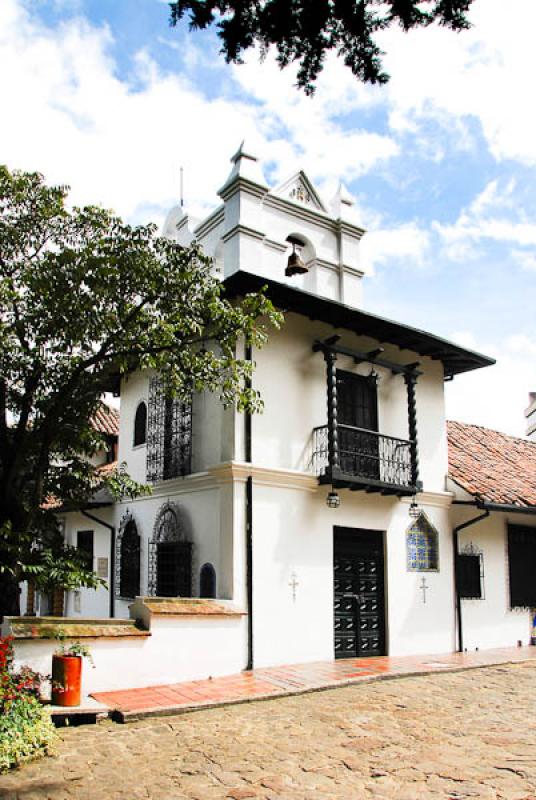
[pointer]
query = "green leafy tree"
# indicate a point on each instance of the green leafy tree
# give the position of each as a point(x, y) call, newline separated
point(303, 31)
point(84, 299)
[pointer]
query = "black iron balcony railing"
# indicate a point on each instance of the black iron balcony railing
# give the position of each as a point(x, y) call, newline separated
point(364, 454)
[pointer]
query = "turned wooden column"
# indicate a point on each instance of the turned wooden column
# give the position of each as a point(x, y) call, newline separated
point(411, 380)
point(333, 431)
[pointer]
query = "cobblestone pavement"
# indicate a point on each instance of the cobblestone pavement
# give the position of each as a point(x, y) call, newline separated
point(457, 735)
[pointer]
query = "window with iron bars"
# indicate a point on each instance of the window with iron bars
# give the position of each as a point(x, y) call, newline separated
point(169, 435)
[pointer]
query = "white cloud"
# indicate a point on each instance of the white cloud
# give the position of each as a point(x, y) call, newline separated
point(481, 73)
point(494, 216)
point(495, 396)
point(407, 241)
point(72, 117)
point(526, 260)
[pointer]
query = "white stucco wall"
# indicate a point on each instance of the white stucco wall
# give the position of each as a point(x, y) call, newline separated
point(134, 390)
point(490, 622)
point(179, 649)
point(292, 382)
point(207, 510)
point(293, 533)
point(211, 428)
point(90, 602)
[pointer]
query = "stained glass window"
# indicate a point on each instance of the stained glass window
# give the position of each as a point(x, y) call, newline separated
point(422, 546)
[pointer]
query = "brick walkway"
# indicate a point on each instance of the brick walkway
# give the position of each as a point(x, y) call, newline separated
point(131, 704)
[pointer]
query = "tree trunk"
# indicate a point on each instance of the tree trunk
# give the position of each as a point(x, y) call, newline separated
point(30, 600)
point(9, 595)
point(58, 596)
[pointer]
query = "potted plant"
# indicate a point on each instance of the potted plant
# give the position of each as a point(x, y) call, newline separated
point(67, 672)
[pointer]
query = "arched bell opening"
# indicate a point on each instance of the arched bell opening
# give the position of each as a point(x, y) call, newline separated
point(300, 255)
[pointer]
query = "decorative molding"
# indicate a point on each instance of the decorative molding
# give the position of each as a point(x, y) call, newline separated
point(301, 212)
point(182, 223)
point(240, 184)
point(313, 215)
point(281, 247)
point(239, 471)
point(245, 231)
point(299, 189)
point(354, 271)
point(329, 265)
point(350, 230)
point(214, 219)
point(437, 499)
point(198, 481)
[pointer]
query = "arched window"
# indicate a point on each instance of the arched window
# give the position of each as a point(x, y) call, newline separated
point(170, 554)
point(128, 558)
point(422, 546)
point(207, 581)
point(140, 424)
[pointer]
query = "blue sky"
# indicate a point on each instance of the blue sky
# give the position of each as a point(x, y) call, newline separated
point(106, 97)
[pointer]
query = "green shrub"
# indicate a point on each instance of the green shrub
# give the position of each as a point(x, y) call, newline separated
point(26, 730)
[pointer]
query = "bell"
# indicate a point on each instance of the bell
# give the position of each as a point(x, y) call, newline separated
point(295, 265)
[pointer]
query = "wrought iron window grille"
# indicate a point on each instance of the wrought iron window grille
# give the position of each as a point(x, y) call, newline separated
point(471, 573)
point(127, 559)
point(169, 435)
point(170, 555)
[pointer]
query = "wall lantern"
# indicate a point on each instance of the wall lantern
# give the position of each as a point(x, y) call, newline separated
point(414, 509)
point(333, 500)
point(372, 377)
point(295, 265)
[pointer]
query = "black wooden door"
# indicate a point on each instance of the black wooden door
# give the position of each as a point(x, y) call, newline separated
point(174, 569)
point(359, 595)
point(357, 413)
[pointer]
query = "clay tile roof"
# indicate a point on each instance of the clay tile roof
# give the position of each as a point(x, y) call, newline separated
point(52, 503)
point(492, 466)
point(106, 420)
point(108, 469)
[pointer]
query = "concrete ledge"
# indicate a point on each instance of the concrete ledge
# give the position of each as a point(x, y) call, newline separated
point(183, 606)
point(72, 628)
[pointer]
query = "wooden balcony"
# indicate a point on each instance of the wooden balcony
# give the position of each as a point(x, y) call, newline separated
point(366, 460)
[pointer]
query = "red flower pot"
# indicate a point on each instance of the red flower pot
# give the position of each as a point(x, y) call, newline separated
point(66, 680)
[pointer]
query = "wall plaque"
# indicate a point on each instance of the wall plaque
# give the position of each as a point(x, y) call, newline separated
point(102, 567)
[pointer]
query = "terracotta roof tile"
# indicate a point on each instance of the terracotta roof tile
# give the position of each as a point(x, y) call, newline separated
point(51, 503)
point(106, 420)
point(492, 466)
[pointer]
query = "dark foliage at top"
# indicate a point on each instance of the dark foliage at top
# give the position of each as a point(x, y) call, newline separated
point(305, 30)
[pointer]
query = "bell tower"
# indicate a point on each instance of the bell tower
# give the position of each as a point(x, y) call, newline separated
point(286, 233)
point(242, 195)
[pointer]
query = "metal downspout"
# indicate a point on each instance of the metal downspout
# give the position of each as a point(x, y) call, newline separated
point(505, 508)
point(455, 543)
point(249, 522)
point(111, 587)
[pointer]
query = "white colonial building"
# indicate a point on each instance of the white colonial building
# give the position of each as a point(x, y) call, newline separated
point(322, 527)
